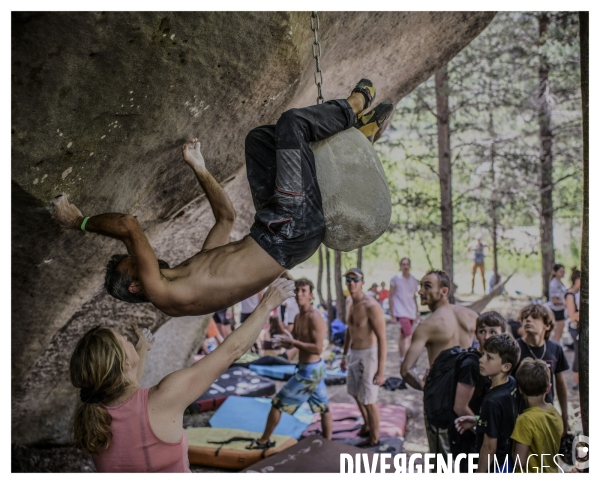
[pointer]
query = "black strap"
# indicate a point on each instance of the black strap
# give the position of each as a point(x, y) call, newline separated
point(268, 445)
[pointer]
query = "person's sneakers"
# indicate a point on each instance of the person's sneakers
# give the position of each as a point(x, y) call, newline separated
point(367, 89)
point(369, 123)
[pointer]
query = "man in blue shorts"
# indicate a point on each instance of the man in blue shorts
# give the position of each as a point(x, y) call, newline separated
point(308, 382)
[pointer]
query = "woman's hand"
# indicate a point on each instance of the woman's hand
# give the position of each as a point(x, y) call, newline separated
point(278, 292)
point(145, 338)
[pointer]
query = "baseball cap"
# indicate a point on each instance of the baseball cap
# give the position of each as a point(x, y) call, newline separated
point(355, 270)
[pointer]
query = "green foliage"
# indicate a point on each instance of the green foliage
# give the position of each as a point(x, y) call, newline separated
point(494, 91)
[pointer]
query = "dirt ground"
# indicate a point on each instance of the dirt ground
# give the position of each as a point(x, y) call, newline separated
point(69, 459)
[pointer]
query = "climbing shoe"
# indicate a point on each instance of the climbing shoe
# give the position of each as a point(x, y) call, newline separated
point(367, 89)
point(369, 123)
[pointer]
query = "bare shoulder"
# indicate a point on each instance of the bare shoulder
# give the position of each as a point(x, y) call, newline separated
point(373, 307)
point(370, 302)
point(315, 316)
point(464, 312)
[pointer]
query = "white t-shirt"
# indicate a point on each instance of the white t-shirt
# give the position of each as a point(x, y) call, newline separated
point(249, 305)
point(291, 309)
point(403, 302)
point(556, 289)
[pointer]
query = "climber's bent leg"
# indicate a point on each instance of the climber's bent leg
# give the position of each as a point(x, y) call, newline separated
point(261, 166)
point(290, 226)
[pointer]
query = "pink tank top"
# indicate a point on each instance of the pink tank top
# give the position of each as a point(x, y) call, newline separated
point(134, 447)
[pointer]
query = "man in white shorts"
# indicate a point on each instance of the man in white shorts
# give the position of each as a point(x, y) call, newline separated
point(365, 338)
point(403, 305)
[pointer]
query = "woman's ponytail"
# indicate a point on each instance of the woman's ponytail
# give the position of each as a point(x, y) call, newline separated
point(97, 369)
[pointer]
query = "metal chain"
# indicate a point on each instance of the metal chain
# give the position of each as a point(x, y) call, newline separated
point(316, 49)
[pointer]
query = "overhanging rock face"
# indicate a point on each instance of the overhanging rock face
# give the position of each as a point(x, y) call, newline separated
point(101, 104)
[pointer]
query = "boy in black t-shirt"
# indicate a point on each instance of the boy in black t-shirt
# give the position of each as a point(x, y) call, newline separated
point(498, 409)
point(538, 323)
point(472, 386)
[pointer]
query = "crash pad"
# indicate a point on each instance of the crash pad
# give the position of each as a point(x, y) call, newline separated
point(248, 413)
point(314, 454)
point(347, 421)
point(235, 381)
point(279, 372)
point(207, 447)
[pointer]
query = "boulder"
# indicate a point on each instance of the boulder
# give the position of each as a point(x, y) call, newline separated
point(356, 198)
point(101, 105)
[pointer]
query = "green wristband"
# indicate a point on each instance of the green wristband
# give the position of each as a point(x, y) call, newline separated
point(83, 223)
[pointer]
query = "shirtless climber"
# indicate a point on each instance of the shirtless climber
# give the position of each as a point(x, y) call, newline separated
point(448, 326)
point(289, 222)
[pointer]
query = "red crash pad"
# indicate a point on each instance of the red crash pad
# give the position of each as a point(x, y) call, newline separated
point(347, 421)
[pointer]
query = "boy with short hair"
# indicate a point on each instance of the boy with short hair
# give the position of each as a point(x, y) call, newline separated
point(499, 407)
point(471, 386)
point(539, 428)
point(538, 323)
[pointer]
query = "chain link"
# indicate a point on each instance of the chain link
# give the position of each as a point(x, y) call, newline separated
point(316, 49)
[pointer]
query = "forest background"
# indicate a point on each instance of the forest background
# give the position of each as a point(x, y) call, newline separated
point(491, 144)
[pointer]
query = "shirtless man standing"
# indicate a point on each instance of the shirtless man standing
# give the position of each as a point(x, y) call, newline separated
point(289, 222)
point(365, 338)
point(308, 382)
point(448, 326)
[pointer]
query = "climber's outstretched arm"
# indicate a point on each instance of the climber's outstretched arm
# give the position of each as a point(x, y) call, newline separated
point(217, 197)
point(125, 228)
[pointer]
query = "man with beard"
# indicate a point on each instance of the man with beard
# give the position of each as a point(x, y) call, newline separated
point(447, 327)
point(308, 383)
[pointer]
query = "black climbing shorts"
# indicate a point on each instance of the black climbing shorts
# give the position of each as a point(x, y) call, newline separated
point(289, 223)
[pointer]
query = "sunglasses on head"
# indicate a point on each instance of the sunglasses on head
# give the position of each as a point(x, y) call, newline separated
point(352, 279)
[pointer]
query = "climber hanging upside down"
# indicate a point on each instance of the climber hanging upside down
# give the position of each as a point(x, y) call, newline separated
point(289, 222)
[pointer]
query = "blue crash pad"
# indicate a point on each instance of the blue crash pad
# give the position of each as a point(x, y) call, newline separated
point(249, 413)
point(279, 372)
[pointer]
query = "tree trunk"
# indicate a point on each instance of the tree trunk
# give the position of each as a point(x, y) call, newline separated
point(320, 280)
point(445, 167)
point(359, 258)
point(545, 168)
point(339, 292)
point(584, 301)
point(330, 315)
point(494, 193)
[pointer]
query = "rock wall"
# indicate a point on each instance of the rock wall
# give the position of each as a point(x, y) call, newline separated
point(101, 104)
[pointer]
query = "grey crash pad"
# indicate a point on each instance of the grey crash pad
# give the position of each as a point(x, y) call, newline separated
point(313, 454)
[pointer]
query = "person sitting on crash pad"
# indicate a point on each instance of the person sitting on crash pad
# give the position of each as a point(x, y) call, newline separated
point(308, 383)
point(289, 222)
point(127, 428)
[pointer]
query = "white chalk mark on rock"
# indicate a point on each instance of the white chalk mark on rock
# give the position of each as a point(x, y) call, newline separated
point(70, 144)
point(66, 172)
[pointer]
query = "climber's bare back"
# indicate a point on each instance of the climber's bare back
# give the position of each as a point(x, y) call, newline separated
point(214, 279)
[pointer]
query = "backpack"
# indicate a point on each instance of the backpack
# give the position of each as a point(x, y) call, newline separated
point(440, 386)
